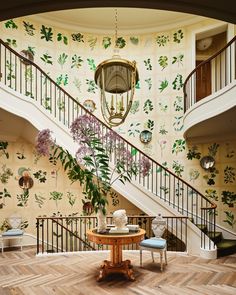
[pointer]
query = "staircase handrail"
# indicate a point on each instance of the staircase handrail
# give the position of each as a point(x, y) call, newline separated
point(201, 65)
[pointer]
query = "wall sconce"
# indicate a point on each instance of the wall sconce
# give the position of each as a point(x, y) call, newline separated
point(207, 162)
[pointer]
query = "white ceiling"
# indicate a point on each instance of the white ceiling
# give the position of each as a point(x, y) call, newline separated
point(129, 19)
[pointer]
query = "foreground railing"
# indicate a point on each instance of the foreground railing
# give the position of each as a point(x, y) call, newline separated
point(211, 75)
point(69, 234)
point(28, 79)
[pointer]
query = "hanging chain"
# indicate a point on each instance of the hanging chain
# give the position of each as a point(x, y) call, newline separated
point(116, 20)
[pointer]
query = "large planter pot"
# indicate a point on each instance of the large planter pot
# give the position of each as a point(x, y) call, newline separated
point(101, 221)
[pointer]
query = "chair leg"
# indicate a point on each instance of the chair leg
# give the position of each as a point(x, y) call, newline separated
point(152, 256)
point(161, 260)
point(165, 257)
point(140, 257)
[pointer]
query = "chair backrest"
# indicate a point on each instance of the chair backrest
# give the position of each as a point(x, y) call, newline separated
point(158, 226)
point(14, 221)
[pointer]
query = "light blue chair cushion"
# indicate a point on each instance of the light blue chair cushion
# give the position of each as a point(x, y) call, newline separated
point(13, 232)
point(154, 243)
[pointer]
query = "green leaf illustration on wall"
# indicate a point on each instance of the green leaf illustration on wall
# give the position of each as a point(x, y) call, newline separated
point(3, 195)
point(138, 86)
point(78, 37)
point(178, 146)
point(178, 123)
point(92, 41)
point(163, 130)
point(62, 80)
point(91, 64)
point(148, 64)
point(91, 86)
point(148, 106)
point(46, 33)
point(22, 199)
point(77, 84)
point(106, 42)
point(5, 174)
point(193, 153)
point(3, 149)
point(211, 194)
point(178, 168)
point(29, 28)
point(10, 24)
point(229, 151)
point(31, 50)
point(211, 175)
point(193, 174)
point(149, 124)
point(134, 40)
point(228, 198)
point(213, 149)
point(149, 83)
point(63, 38)
point(135, 107)
point(162, 40)
point(40, 175)
point(178, 82)
point(46, 58)
point(178, 104)
point(163, 106)
point(133, 129)
point(62, 59)
point(39, 199)
point(76, 61)
point(120, 42)
point(163, 61)
point(229, 174)
point(11, 42)
point(178, 36)
point(178, 59)
point(229, 218)
point(71, 198)
point(163, 85)
point(56, 196)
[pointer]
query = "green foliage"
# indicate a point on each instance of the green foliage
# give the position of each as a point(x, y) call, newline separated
point(229, 174)
point(147, 64)
point(163, 61)
point(56, 196)
point(11, 42)
point(62, 38)
point(77, 84)
point(106, 42)
point(162, 40)
point(148, 106)
point(133, 129)
point(212, 194)
point(20, 156)
point(178, 124)
point(91, 86)
point(229, 218)
point(47, 103)
point(193, 153)
point(135, 107)
point(31, 50)
point(24, 224)
point(4, 226)
point(134, 40)
point(10, 24)
point(92, 41)
point(178, 146)
point(178, 36)
point(120, 42)
point(163, 85)
point(137, 86)
point(178, 104)
point(78, 37)
point(178, 59)
point(178, 82)
point(39, 200)
point(213, 149)
point(62, 59)
point(3, 149)
point(5, 174)
point(149, 83)
point(211, 175)
point(71, 198)
point(29, 28)
point(163, 106)
point(76, 61)
point(41, 176)
point(22, 199)
point(178, 168)
point(4, 194)
point(62, 80)
point(29, 74)
point(91, 64)
point(115, 198)
point(46, 33)
point(10, 71)
point(229, 152)
point(193, 174)
point(228, 198)
point(150, 124)
point(46, 58)
point(162, 130)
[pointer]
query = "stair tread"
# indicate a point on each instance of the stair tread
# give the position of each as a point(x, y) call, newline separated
point(226, 243)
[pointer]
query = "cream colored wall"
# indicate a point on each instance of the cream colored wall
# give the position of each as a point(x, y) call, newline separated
point(166, 117)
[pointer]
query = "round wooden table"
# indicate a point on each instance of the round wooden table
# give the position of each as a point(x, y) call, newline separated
point(116, 264)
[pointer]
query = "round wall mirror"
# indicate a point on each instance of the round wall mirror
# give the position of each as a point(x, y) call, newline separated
point(207, 162)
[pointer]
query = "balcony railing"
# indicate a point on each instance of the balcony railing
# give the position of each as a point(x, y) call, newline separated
point(69, 234)
point(27, 78)
point(211, 75)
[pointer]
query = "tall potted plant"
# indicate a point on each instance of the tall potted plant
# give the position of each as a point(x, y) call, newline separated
point(91, 165)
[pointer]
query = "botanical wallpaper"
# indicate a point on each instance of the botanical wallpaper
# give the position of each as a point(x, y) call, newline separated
point(155, 122)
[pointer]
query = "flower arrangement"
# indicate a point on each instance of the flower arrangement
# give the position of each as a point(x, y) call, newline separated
point(91, 165)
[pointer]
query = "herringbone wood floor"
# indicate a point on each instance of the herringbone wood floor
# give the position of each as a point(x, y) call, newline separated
point(21, 273)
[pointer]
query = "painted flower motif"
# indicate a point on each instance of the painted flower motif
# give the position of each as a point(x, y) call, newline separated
point(44, 142)
point(145, 166)
point(162, 143)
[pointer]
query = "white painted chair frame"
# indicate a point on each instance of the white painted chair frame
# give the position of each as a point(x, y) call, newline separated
point(161, 251)
point(19, 237)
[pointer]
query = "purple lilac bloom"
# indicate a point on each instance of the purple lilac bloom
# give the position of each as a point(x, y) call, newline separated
point(81, 153)
point(44, 142)
point(145, 166)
